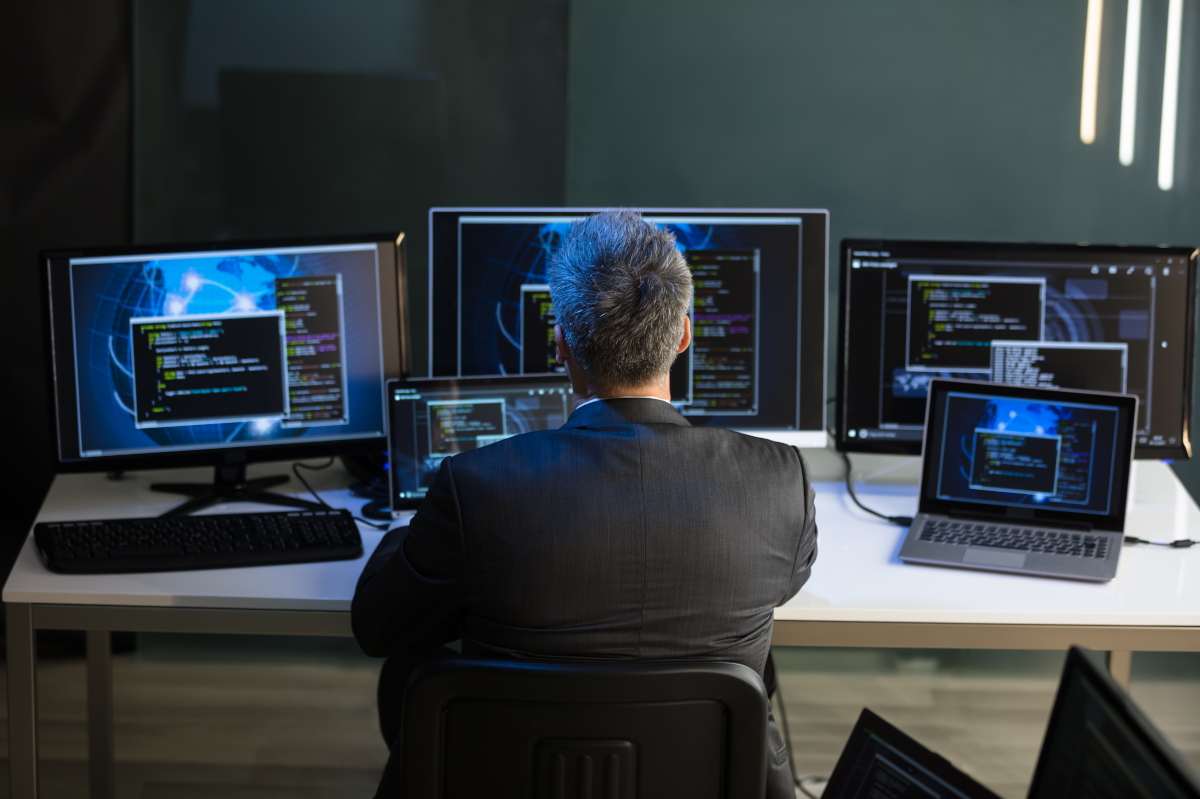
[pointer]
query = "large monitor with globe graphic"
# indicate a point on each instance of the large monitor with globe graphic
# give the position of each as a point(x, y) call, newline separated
point(175, 354)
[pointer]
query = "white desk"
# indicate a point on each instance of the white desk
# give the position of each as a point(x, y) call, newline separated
point(859, 595)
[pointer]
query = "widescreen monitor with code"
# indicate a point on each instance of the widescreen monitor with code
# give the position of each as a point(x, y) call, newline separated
point(757, 359)
point(1095, 318)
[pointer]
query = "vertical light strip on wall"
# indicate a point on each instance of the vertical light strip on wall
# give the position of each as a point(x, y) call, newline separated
point(1091, 71)
point(1166, 141)
point(1133, 34)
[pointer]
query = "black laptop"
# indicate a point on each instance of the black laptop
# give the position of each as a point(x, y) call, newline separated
point(1023, 480)
point(881, 761)
point(1099, 745)
point(431, 419)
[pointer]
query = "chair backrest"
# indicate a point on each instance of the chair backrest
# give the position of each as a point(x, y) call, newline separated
point(493, 728)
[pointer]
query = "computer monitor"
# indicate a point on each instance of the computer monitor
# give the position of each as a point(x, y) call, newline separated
point(1099, 318)
point(757, 361)
point(430, 419)
point(881, 761)
point(222, 353)
point(1100, 745)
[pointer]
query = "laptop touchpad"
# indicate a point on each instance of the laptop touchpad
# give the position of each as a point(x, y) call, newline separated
point(981, 556)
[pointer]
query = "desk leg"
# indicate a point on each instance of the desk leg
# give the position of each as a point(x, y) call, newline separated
point(21, 654)
point(1120, 666)
point(101, 769)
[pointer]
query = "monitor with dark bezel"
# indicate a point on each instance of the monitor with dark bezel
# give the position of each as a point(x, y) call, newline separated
point(757, 361)
point(222, 353)
point(1097, 318)
point(1100, 745)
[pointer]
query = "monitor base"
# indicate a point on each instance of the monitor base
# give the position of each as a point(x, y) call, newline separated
point(230, 485)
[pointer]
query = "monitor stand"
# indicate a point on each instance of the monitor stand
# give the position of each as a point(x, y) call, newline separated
point(230, 485)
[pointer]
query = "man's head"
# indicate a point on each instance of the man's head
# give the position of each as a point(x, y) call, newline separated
point(621, 291)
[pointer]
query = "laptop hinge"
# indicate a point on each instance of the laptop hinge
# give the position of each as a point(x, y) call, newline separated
point(993, 519)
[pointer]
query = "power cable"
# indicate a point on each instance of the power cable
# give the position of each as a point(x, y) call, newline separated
point(903, 521)
point(297, 466)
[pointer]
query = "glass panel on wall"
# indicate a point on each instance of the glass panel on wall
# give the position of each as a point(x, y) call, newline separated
point(257, 118)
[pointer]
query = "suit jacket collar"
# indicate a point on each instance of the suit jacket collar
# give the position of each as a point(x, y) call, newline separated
point(626, 411)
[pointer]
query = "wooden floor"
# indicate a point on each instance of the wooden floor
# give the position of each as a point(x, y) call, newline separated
point(195, 721)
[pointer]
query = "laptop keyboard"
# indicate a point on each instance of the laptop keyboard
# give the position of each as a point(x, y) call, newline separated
point(947, 531)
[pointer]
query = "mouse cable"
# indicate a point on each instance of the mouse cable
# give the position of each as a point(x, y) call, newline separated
point(903, 521)
point(1182, 543)
point(297, 466)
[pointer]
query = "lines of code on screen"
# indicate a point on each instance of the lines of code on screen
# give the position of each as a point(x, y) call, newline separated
point(537, 330)
point(1018, 462)
point(316, 371)
point(1099, 367)
point(724, 331)
point(952, 321)
point(460, 425)
point(190, 370)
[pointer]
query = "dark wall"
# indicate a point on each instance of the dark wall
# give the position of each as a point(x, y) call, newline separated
point(262, 118)
point(65, 73)
point(923, 119)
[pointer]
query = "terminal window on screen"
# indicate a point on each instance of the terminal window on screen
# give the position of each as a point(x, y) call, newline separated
point(952, 321)
point(1007, 451)
point(460, 425)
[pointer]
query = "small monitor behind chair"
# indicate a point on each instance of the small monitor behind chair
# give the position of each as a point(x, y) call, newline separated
point(881, 761)
point(1099, 745)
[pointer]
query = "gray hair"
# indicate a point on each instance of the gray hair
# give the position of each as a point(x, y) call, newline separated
point(621, 290)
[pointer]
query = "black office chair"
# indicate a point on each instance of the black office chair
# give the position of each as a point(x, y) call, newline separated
point(526, 730)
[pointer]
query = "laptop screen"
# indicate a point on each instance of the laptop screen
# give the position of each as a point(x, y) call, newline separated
point(431, 420)
point(1100, 745)
point(1028, 452)
point(881, 761)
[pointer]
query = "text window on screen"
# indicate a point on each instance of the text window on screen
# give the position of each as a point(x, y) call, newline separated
point(952, 321)
point(1049, 364)
point(724, 351)
point(202, 369)
point(460, 425)
point(538, 351)
point(315, 349)
point(1017, 462)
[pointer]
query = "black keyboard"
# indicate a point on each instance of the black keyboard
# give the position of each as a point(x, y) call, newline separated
point(177, 543)
point(1049, 542)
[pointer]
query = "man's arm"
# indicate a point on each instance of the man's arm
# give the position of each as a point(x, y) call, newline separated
point(410, 594)
point(806, 546)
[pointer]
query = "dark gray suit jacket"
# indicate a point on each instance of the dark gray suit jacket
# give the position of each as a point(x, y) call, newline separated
point(626, 534)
